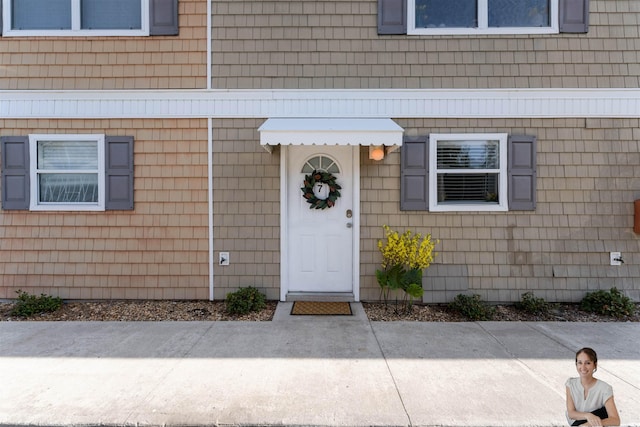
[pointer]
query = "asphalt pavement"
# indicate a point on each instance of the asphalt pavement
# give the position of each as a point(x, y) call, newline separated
point(306, 371)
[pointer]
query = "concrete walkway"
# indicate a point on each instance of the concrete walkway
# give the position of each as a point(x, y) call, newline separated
point(306, 370)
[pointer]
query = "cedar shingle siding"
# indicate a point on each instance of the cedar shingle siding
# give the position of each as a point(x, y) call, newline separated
point(108, 63)
point(586, 173)
point(334, 44)
point(157, 251)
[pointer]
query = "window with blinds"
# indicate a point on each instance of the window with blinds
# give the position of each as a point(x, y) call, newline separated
point(68, 170)
point(468, 172)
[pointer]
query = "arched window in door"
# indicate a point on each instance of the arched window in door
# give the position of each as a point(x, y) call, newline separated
point(322, 163)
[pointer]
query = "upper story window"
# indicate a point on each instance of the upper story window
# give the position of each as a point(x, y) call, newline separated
point(76, 17)
point(437, 17)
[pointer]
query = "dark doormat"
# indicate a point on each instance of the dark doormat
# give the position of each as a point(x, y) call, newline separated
point(315, 308)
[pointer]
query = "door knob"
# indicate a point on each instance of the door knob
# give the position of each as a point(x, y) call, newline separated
point(349, 225)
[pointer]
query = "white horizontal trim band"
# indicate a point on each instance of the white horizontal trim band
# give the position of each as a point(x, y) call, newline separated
point(355, 103)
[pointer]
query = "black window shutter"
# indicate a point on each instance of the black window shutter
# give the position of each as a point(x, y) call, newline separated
point(414, 174)
point(392, 16)
point(522, 173)
point(0, 18)
point(163, 17)
point(119, 173)
point(574, 16)
point(15, 172)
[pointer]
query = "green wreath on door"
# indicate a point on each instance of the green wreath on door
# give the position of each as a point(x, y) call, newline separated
point(314, 190)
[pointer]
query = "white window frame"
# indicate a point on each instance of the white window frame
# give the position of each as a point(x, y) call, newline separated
point(35, 204)
point(502, 204)
point(483, 23)
point(75, 30)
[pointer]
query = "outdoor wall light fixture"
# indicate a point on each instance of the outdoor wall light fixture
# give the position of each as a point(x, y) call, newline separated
point(376, 152)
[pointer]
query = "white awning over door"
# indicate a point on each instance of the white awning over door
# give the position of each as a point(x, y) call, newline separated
point(330, 131)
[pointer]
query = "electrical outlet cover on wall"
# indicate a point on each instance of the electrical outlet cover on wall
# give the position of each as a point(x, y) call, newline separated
point(224, 258)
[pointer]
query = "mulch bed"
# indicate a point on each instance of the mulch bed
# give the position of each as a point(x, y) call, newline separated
point(503, 313)
point(127, 311)
point(215, 311)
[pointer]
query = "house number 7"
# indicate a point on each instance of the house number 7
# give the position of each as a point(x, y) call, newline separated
point(321, 191)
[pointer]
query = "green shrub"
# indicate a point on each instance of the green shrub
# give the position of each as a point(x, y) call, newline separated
point(532, 304)
point(244, 301)
point(472, 307)
point(28, 305)
point(611, 303)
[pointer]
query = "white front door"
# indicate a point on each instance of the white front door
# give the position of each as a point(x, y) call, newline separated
point(319, 255)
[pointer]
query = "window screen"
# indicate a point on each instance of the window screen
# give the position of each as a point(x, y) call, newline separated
point(446, 14)
point(110, 15)
point(519, 13)
point(41, 14)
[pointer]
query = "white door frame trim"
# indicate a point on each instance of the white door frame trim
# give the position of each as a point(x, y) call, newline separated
point(356, 223)
point(284, 219)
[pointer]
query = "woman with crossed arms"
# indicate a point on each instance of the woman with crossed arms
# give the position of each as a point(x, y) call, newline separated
point(590, 400)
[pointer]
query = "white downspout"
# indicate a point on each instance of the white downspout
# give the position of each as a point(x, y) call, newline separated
point(210, 154)
point(209, 44)
point(210, 196)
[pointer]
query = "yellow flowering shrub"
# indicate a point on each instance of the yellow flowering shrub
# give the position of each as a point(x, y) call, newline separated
point(407, 249)
point(404, 256)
